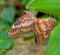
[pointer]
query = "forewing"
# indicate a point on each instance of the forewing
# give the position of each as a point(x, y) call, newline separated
point(22, 25)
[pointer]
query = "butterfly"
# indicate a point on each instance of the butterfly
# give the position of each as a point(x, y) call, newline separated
point(42, 29)
point(23, 24)
point(27, 23)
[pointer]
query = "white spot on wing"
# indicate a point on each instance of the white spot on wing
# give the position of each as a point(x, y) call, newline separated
point(45, 35)
point(43, 26)
point(15, 26)
point(26, 23)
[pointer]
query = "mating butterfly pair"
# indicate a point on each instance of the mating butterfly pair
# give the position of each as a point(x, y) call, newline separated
point(29, 23)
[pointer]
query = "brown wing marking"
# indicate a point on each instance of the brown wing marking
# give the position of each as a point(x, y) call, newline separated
point(36, 29)
point(26, 30)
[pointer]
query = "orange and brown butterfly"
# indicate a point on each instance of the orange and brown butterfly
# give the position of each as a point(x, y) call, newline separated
point(23, 24)
point(29, 23)
point(42, 29)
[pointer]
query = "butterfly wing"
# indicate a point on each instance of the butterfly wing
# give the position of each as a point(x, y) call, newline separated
point(22, 25)
point(38, 34)
point(42, 29)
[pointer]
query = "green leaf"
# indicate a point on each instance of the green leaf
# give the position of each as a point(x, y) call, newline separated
point(5, 43)
point(3, 34)
point(1, 53)
point(34, 11)
point(4, 28)
point(10, 54)
point(2, 2)
point(46, 41)
point(51, 7)
point(58, 17)
point(8, 14)
point(4, 25)
point(54, 42)
point(2, 50)
point(28, 36)
point(25, 2)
